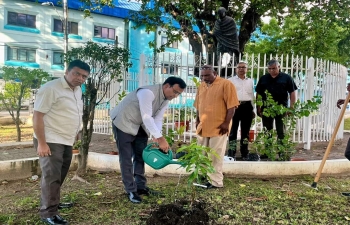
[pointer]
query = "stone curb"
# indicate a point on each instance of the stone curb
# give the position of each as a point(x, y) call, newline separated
point(25, 168)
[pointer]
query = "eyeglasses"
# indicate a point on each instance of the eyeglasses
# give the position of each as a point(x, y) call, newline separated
point(77, 74)
point(175, 91)
point(241, 67)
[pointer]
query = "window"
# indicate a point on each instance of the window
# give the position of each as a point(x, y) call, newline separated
point(104, 32)
point(58, 58)
point(58, 26)
point(20, 19)
point(21, 54)
point(165, 40)
point(169, 69)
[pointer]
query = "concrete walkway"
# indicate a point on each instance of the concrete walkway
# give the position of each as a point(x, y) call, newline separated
point(21, 151)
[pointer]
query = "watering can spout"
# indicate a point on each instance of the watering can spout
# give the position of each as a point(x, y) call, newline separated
point(175, 162)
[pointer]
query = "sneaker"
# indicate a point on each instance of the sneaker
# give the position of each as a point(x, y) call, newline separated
point(134, 197)
point(148, 191)
point(229, 158)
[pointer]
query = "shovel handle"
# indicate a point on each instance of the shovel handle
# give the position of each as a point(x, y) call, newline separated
point(330, 143)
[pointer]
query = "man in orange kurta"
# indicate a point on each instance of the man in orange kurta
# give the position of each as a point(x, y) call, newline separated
point(216, 100)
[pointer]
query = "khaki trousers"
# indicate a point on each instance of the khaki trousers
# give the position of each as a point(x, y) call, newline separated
point(219, 145)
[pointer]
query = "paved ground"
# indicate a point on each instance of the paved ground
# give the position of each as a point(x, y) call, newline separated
point(20, 151)
point(99, 143)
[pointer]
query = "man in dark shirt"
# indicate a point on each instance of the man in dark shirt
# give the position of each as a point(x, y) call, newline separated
point(280, 86)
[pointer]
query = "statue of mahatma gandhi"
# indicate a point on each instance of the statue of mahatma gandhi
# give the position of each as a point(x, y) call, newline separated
point(225, 32)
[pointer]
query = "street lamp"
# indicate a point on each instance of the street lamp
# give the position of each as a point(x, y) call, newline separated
point(64, 23)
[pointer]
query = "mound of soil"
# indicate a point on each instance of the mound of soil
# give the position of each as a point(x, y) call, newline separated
point(179, 213)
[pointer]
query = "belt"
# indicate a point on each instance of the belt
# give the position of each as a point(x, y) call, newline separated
point(244, 102)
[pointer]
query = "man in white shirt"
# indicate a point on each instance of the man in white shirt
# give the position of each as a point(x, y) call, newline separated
point(244, 113)
point(58, 110)
point(141, 113)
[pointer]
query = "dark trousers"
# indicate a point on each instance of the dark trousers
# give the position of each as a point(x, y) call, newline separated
point(347, 150)
point(132, 166)
point(244, 115)
point(54, 170)
point(268, 123)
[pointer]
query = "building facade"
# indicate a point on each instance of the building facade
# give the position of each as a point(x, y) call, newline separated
point(31, 34)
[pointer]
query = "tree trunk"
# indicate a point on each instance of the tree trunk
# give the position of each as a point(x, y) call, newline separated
point(18, 128)
point(248, 25)
point(83, 155)
point(196, 44)
point(88, 123)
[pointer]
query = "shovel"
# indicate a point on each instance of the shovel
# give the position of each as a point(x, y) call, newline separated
point(157, 159)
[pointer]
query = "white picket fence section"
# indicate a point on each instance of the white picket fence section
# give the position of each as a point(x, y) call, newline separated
point(312, 76)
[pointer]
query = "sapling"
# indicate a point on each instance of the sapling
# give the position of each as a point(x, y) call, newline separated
point(198, 162)
point(266, 142)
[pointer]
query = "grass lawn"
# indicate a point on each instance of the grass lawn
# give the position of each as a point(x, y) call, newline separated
point(347, 124)
point(242, 201)
point(9, 133)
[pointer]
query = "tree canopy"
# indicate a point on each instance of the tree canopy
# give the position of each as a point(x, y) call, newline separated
point(195, 17)
point(19, 81)
point(300, 36)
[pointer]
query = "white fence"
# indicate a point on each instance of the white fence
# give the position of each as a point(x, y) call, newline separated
point(312, 76)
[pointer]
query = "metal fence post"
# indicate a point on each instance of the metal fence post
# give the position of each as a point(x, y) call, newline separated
point(308, 95)
point(142, 75)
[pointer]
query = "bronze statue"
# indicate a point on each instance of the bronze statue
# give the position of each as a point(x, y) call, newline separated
point(225, 32)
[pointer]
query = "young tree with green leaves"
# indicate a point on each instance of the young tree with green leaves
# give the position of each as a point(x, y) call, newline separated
point(107, 63)
point(266, 142)
point(299, 35)
point(158, 16)
point(19, 82)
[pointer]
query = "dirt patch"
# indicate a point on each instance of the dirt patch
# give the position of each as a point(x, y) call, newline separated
point(179, 213)
point(319, 148)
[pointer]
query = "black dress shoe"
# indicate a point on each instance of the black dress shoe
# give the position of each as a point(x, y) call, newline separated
point(65, 205)
point(55, 220)
point(148, 191)
point(134, 197)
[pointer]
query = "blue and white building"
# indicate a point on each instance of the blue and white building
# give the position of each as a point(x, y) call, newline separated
point(31, 34)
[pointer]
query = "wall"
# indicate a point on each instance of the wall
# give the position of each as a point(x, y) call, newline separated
point(43, 39)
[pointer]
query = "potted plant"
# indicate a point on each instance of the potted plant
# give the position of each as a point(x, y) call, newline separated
point(76, 147)
point(183, 116)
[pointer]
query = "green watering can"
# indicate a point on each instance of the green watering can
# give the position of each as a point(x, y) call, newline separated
point(157, 159)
